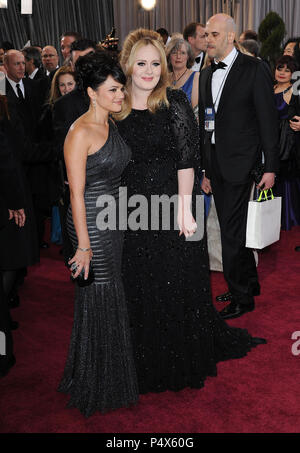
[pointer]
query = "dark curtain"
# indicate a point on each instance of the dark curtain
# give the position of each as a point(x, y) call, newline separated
point(50, 18)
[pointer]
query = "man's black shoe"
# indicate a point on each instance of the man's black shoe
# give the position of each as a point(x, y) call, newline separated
point(6, 365)
point(14, 325)
point(297, 249)
point(14, 302)
point(235, 310)
point(44, 245)
point(224, 297)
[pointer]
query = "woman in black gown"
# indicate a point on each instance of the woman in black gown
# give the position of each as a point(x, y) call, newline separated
point(177, 333)
point(99, 373)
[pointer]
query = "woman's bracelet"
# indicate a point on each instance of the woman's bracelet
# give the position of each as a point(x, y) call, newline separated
point(83, 250)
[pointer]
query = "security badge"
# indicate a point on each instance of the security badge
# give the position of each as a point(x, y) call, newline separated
point(210, 119)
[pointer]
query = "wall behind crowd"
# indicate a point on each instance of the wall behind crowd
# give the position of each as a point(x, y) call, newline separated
point(50, 18)
point(175, 14)
point(94, 18)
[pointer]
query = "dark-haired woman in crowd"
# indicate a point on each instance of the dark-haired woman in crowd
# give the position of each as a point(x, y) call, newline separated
point(287, 183)
point(99, 373)
point(178, 336)
point(292, 49)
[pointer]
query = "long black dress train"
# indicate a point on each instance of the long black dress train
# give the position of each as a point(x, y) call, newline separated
point(100, 373)
point(178, 335)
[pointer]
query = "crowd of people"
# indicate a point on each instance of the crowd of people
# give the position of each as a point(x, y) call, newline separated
point(182, 115)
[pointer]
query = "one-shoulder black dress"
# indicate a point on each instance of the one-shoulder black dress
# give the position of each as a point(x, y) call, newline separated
point(178, 335)
point(100, 373)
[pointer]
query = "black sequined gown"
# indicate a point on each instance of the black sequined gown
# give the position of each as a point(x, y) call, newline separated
point(177, 333)
point(100, 372)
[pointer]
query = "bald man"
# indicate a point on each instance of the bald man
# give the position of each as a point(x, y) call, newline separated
point(50, 59)
point(238, 121)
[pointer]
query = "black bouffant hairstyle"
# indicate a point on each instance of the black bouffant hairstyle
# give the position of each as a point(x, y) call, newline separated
point(287, 61)
point(93, 69)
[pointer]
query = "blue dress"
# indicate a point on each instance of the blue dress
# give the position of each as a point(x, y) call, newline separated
point(188, 86)
point(288, 181)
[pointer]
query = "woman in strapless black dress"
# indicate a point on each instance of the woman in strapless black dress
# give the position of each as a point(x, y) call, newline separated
point(178, 335)
point(99, 373)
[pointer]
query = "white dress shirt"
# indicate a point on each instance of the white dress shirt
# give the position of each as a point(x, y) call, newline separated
point(196, 67)
point(219, 79)
point(14, 86)
point(32, 75)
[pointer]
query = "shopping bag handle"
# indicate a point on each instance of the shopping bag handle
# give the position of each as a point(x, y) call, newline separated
point(260, 199)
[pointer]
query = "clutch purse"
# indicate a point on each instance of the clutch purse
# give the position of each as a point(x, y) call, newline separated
point(80, 279)
point(257, 173)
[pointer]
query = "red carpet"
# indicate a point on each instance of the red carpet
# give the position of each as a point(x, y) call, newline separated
point(257, 394)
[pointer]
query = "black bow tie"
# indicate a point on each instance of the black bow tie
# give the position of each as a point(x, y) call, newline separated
point(216, 66)
point(197, 60)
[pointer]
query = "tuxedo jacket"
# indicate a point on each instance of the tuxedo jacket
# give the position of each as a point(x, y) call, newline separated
point(11, 189)
point(66, 110)
point(28, 110)
point(246, 122)
point(294, 110)
point(40, 74)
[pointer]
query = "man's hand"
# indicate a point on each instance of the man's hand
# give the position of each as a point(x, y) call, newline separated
point(267, 182)
point(295, 126)
point(19, 216)
point(205, 185)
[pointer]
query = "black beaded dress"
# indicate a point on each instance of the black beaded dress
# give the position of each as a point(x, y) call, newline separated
point(178, 335)
point(100, 373)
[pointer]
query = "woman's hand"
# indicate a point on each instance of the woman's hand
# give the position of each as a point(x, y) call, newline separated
point(82, 260)
point(186, 222)
point(295, 125)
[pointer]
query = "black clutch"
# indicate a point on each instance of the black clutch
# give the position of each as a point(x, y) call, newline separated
point(257, 173)
point(80, 279)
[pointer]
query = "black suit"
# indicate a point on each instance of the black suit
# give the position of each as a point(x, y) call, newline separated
point(34, 157)
point(67, 109)
point(294, 110)
point(11, 197)
point(246, 125)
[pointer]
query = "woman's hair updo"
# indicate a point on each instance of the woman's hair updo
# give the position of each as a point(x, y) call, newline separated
point(93, 69)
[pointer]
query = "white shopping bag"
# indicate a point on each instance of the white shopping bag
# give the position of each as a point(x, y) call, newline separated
point(264, 222)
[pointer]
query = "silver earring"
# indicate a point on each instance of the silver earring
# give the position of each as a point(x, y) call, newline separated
point(94, 103)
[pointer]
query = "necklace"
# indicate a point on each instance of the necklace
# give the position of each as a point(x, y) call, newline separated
point(175, 81)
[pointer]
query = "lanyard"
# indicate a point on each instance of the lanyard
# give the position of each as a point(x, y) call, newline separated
point(223, 82)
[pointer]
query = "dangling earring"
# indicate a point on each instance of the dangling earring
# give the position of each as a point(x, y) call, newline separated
point(94, 107)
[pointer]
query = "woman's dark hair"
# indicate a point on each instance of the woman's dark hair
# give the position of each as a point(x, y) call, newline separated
point(287, 61)
point(93, 69)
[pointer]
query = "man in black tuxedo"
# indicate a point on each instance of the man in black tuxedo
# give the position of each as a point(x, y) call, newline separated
point(24, 98)
point(33, 62)
point(238, 120)
point(11, 209)
point(194, 33)
point(294, 114)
